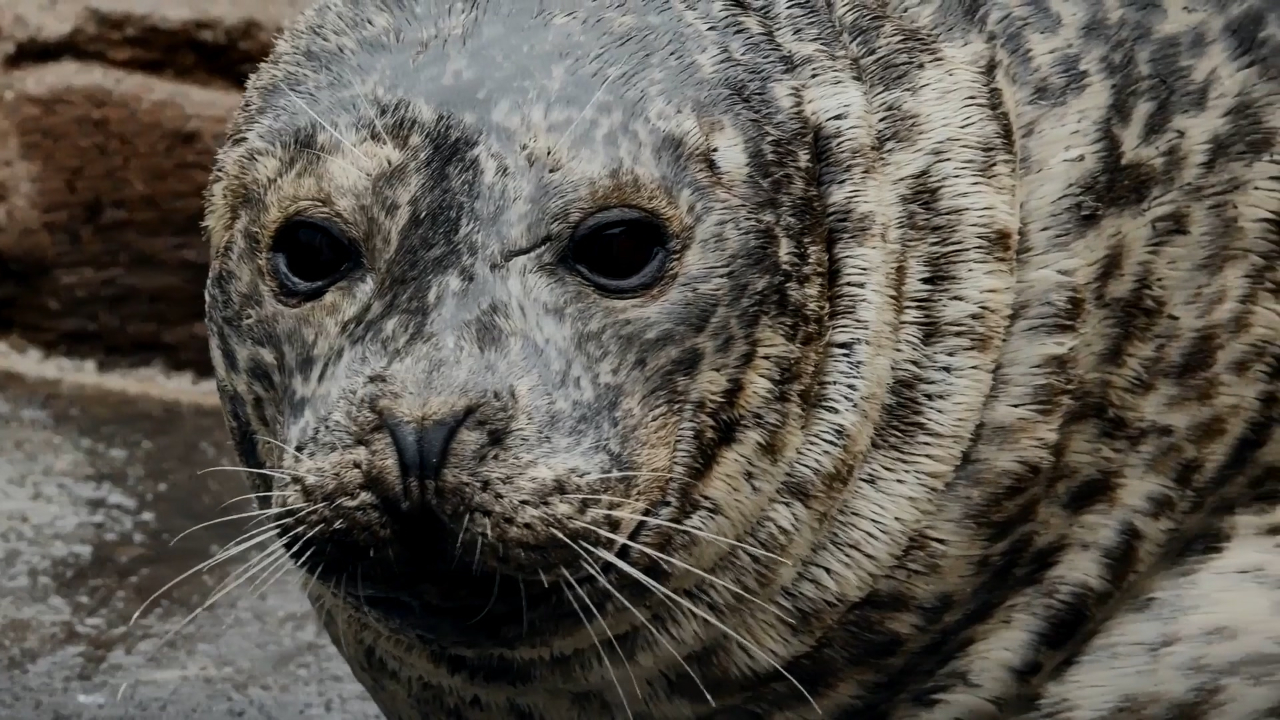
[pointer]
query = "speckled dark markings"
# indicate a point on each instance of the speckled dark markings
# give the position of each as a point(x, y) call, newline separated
point(972, 319)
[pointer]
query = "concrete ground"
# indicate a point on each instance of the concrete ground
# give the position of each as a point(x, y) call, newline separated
point(94, 485)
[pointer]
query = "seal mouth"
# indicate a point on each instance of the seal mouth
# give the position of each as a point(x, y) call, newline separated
point(449, 605)
point(416, 579)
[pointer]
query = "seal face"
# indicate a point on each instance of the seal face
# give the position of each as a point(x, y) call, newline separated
point(663, 358)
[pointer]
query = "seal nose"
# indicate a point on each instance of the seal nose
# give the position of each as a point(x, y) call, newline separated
point(421, 448)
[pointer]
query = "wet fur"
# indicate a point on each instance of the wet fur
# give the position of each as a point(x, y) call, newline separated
point(974, 322)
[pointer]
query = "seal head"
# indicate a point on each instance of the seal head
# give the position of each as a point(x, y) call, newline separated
point(541, 326)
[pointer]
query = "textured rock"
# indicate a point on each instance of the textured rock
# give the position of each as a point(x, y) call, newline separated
point(110, 113)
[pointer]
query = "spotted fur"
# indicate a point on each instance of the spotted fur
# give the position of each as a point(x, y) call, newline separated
point(957, 402)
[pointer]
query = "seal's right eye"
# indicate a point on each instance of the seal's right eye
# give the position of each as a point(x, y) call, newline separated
point(309, 257)
point(621, 251)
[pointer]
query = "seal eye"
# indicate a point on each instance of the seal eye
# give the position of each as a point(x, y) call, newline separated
point(620, 250)
point(308, 258)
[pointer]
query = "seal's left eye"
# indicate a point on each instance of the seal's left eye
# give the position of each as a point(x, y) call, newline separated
point(621, 251)
point(308, 258)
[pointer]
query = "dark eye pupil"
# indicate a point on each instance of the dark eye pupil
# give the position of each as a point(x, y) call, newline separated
point(617, 253)
point(309, 258)
point(620, 250)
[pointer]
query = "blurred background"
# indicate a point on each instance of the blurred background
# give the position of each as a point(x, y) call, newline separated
point(110, 114)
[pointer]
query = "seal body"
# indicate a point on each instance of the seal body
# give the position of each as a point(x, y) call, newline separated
point(954, 396)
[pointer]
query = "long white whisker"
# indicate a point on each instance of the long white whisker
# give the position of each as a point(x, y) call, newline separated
point(496, 578)
point(326, 125)
point(595, 570)
point(603, 655)
point(684, 565)
point(342, 639)
point(277, 443)
point(302, 561)
point(283, 561)
point(576, 496)
point(260, 513)
point(235, 547)
point(705, 616)
point(457, 550)
point(244, 573)
point(252, 496)
point(524, 610)
point(311, 584)
point(338, 160)
point(691, 531)
point(627, 473)
point(227, 552)
point(281, 474)
point(586, 108)
point(376, 122)
point(605, 627)
point(264, 559)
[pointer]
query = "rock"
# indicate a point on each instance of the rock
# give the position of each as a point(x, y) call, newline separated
point(110, 114)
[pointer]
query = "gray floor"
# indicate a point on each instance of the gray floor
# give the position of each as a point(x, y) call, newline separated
point(93, 488)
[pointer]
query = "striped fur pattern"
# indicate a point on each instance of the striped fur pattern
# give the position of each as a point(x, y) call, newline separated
point(958, 400)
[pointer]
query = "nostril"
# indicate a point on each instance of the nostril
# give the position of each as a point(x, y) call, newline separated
point(404, 436)
point(422, 449)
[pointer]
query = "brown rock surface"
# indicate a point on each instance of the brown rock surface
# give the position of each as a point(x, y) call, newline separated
point(110, 114)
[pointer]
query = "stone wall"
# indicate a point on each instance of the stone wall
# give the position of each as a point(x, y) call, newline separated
point(110, 113)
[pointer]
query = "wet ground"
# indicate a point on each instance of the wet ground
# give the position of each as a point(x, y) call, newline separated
point(94, 486)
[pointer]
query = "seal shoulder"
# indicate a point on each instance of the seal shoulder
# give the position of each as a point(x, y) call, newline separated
point(1200, 643)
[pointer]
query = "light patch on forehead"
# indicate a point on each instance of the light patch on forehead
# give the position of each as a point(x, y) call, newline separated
point(729, 153)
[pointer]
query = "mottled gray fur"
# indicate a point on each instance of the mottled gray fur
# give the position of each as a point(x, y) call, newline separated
point(958, 398)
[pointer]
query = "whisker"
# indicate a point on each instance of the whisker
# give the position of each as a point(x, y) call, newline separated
point(302, 510)
point(586, 108)
point(596, 572)
point(594, 569)
point(496, 578)
point(302, 560)
point(231, 550)
point(475, 564)
point(603, 655)
point(252, 496)
point(268, 567)
point(260, 513)
point(281, 474)
point(342, 640)
point(524, 610)
point(326, 125)
point(279, 444)
point(340, 161)
point(604, 626)
point(311, 584)
point(457, 550)
point(691, 531)
point(250, 568)
point(284, 561)
point(605, 497)
point(376, 122)
point(686, 566)
point(607, 557)
point(628, 473)
point(235, 547)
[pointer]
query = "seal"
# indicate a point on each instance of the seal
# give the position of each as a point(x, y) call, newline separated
point(842, 358)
